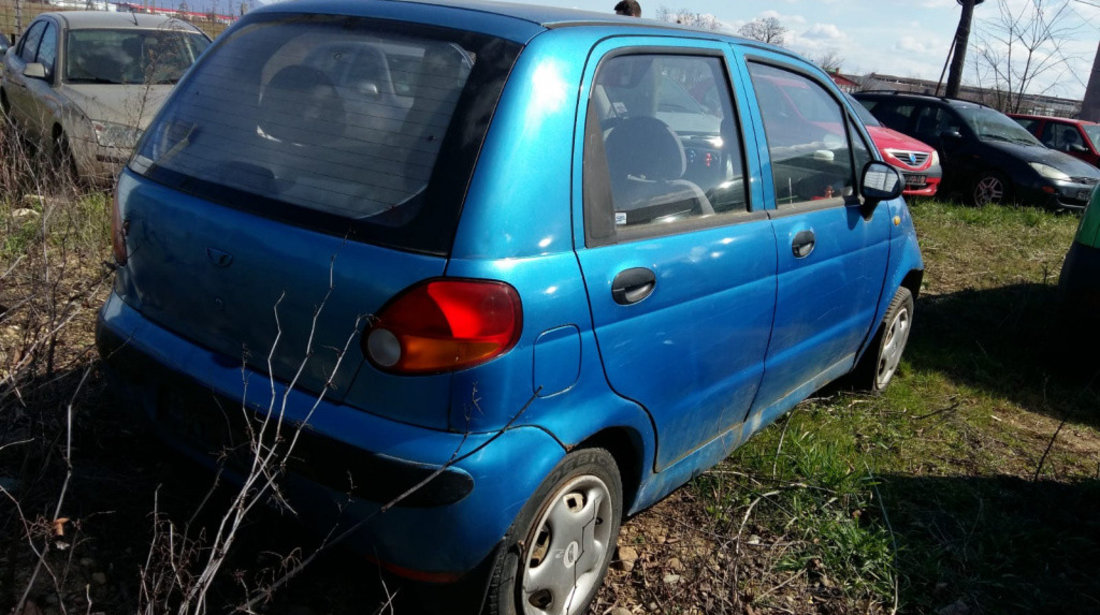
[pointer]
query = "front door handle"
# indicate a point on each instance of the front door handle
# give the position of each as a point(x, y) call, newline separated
point(803, 244)
point(632, 285)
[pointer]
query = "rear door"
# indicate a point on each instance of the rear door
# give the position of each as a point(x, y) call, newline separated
point(679, 262)
point(832, 261)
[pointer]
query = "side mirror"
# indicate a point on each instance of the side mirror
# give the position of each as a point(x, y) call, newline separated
point(1077, 148)
point(951, 135)
point(881, 182)
point(35, 70)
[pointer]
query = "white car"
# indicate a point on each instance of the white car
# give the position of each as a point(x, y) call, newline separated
point(84, 84)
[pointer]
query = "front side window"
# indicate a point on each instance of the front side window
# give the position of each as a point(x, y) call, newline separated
point(1060, 136)
point(28, 47)
point(346, 125)
point(807, 137)
point(662, 147)
point(47, 49)
point(131, 56)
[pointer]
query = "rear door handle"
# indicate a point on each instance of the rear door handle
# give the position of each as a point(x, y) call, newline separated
point(632, 285)
point(803, 244)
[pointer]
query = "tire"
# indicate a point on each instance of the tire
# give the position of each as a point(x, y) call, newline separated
point(990, 189)
point(557, 552)
point(880, 362)
point(62, 161)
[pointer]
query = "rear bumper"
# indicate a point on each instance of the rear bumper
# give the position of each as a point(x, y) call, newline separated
point(347, 463)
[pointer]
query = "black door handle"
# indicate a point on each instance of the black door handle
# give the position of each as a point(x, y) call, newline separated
point(632, 285)
point(803, 244)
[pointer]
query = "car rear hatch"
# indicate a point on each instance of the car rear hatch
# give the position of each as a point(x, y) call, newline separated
point(306, 172)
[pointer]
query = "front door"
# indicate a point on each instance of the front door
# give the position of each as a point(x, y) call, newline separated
point(832, 261)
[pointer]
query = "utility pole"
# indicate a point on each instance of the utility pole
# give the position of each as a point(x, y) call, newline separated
point(962, 36)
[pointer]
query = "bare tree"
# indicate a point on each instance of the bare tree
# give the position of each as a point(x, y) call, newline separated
point(830, 61)
point(1021, 44)
point(702, 21)
point(765, 29)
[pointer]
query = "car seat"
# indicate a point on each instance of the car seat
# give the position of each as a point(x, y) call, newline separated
point(300, 105)
point(646, 163)
point(1070, 138)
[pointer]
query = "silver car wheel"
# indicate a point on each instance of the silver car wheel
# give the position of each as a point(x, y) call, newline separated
point(989, 189)
point(568, 550)
point(893, 345)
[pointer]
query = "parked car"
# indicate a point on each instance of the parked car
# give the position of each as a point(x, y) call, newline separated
point(986, 156)
point(1079, 283)
point(569, 316)
point(84, 84)
point(918, 162)
point(1078, 138)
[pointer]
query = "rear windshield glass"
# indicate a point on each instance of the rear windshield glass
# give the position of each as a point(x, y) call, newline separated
point(131, 56)
point(354, 127)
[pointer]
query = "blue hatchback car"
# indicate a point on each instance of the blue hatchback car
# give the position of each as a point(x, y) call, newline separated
point(544, 266)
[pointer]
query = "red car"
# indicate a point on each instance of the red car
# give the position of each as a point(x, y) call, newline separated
point(1075, 137)
point(919, 163)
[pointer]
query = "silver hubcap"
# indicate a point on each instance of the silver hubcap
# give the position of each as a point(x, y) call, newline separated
point(897, 334)
point(989, 190)
point(568, 549)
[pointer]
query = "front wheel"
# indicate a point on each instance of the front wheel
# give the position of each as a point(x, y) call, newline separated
point(990, 188)
point(558, 550)
point(881, 360)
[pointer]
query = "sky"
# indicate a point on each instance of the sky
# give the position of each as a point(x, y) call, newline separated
point(907, 38)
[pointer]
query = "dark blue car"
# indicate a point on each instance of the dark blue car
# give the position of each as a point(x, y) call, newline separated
point(508, 269)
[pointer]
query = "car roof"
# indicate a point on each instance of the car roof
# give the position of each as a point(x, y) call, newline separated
point(531, 15)
point(1067, 120)
point(90, 20)
point(889, 94)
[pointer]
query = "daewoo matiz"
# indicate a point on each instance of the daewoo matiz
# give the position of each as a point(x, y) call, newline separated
point(520, 265)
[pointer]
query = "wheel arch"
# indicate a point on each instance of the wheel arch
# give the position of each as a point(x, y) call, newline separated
point(626, 447)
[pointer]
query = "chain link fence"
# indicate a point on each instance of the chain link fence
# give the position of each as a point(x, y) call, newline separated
point(15, 15)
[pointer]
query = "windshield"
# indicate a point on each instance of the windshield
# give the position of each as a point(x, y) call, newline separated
point(1093, 133)
point(992, 125)
point(334, 123)
point(131, 56)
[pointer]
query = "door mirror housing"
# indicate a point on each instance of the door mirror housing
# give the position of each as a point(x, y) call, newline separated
point(880, 182)
point(35, 70)
point(1077, 148)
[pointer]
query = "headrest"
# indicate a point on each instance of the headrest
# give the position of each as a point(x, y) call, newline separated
point(645, 147)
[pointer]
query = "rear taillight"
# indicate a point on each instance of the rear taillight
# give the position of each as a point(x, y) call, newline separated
point(444, 325)
point(118, 232)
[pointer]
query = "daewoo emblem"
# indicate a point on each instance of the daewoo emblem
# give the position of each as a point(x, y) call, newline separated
point(219, 258)
point(912, 158)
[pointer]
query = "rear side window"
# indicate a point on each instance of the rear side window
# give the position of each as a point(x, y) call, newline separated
point(891, 113)
point(663, 152)
point(351, 126)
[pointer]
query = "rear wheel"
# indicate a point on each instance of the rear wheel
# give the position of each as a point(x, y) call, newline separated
point(990, 188)
point(560, 545)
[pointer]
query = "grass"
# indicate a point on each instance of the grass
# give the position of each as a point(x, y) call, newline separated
point(973, 479)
